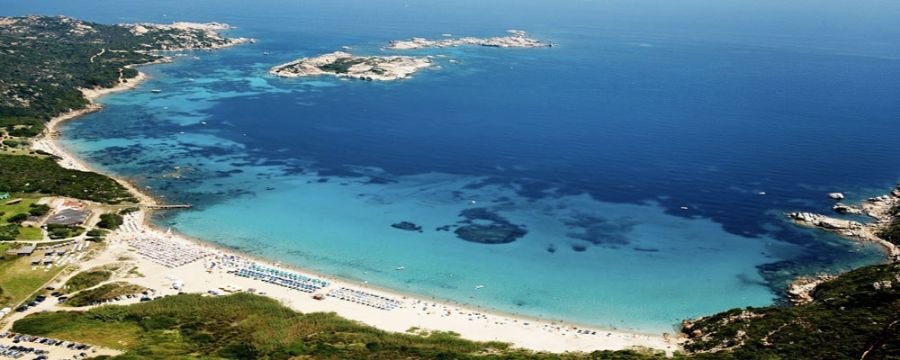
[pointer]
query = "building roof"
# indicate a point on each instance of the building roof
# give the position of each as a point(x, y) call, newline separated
point(68, 217)
point(4, 195)
point(24, 250)
point(73, 204)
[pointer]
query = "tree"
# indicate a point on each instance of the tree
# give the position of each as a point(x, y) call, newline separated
point(110, 221)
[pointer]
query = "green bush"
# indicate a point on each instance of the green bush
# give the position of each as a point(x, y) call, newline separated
point(9, 232)
point(87, 279)
point(102, 293)
point(38, 210)
point(55, 231)
point(110, 221)
point(129, 210)
point(97, 233)
point(17, 218)
point(892, 232)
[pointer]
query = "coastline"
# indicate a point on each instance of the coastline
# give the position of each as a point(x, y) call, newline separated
point(47, 141)
point(877, 208)
point(425, 314)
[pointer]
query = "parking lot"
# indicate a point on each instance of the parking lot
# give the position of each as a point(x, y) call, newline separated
point(20, 346)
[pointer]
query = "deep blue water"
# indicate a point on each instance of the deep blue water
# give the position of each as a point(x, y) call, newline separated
point(593, 147)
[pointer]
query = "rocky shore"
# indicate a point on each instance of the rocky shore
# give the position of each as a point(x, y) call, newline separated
point(342, 64)
point(186, 35)
point(515, 39)
point(799, 292)
point(878, 208)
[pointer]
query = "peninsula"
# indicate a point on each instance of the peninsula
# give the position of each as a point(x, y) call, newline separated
point(515, 39)
point(342, 64)
point(179, 36)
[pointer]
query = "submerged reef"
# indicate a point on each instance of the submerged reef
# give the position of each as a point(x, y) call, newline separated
point(406, 225)
point(486, 227)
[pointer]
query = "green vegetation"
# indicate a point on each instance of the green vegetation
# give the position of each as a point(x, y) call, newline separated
point(16, 208)
point(87, 279)
point(856, 314)
point(341, 66)
point(45, 62)
point(97, 235)
point(103, 293)
point(11, 215)
point(11, 143)
point(245, 326)
point(129, 210)
point(110, 221)
point(55, 231)
point(47, 59)
point(17, 218)
point(9, 232)
point(29, 233)
point(42, 175)
point(892, 232)
point(38, 210)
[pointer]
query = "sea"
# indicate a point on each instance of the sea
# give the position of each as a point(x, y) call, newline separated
point(639, 170)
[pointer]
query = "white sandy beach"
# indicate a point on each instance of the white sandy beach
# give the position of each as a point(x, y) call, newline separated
point(197, 277)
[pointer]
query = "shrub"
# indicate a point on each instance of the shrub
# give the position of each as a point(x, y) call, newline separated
point(38, 210)
point(87, 279)
point(18, 218)
point(129, 210)
point(9, 232)
point(110, 221)
point(56, 231)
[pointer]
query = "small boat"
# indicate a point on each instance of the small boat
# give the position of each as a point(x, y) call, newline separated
point(270, 188)
point(478, 287)
point(156, 91)
point(400, 268)
point(761, 193)
point(684, 208)
point(265, 53)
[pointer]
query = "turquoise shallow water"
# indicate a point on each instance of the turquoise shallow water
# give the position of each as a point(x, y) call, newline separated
point(592, 147)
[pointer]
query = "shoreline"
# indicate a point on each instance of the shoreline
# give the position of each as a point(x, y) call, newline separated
point(521, 331)
point(877, 208)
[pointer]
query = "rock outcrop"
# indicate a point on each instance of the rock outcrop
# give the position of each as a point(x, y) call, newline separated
point(515, 39)
point(879, 208)
point(846, 209)
point(800, 290)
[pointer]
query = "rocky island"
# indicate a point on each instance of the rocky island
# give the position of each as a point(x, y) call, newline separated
point(342, 64)
point(515, 39)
